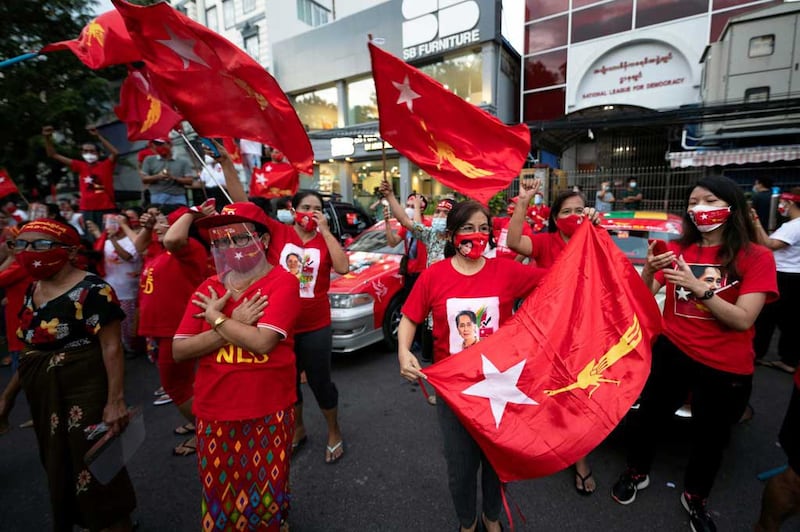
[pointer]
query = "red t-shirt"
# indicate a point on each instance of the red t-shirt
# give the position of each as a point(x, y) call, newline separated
point(233, 383)
point(690, 325)
point(15, 281)
point(96, 184)
point(546, 247)
point(143, 154)
point(500, 229)
point(166, 284)
point(416, 251)
point(539, 215)
point(479, 303)
point(311, 263)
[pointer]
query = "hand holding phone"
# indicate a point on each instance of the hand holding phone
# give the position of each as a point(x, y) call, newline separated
point(660, 246)
point(210, 145)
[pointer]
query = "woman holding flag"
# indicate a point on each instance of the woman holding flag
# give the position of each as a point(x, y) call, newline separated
point(706, 349)
point(465, 281)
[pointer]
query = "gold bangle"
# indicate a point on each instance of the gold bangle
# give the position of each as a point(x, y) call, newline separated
point(218, 322)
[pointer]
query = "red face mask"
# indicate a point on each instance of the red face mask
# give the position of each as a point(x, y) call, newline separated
point(568, 225)
point(164, 151)
point(245, 258)
point(471, 245)
point(43, 264)
point(305, 220)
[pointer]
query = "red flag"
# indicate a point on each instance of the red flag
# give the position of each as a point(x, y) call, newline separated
point(232, 147)
point(543, 391)
point(103, 42)
point(216, 86)
point(274, 180)
point(7, 186)
point(457, 143)
point(146, 115)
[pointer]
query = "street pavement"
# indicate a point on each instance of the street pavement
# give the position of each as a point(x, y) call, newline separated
point(392, 476)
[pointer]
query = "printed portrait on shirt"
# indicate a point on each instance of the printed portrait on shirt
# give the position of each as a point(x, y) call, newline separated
point(715, 278)
point(303, 263)
point(471, 319)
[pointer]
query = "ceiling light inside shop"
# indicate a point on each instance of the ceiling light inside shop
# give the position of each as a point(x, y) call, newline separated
point(608, 108)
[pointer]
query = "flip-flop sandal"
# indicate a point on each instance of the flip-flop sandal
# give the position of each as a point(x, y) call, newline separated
point(582, 489)
point(183, 430)
point(299, 443)
point(331, 458)
point(184, 449)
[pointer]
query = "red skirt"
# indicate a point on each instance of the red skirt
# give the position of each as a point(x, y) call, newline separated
point(244, 470)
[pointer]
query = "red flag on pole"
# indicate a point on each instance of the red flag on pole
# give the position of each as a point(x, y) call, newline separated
point(274, 180)
point(232, 147)
point(103, 42)
point(216, 86)
point(7, 186)
point(145, 114)
point(543, 391)
point(457, 143)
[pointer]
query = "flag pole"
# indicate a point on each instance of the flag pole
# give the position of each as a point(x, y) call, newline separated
point(203, 163)
point(19, 58)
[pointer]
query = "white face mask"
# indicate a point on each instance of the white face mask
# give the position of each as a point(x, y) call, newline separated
point(89, 157)
point(285, 216)
point(208, 159)
point(439, 224)
point(410, 212)
point(537, 200)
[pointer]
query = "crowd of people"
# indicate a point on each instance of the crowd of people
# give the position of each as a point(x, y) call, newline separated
point(233, 305)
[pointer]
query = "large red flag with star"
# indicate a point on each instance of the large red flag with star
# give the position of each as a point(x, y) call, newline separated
point(144, 113)
point(7, 186)
point(457, 143)
point(103, 42)
point(274, 180)
point(213, 84)
point(555, 380)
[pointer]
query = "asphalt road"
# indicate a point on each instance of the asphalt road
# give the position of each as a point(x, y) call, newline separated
point(392, 476)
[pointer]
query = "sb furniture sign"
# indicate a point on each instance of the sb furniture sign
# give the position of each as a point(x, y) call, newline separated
point(436, 26)
point(650, 74)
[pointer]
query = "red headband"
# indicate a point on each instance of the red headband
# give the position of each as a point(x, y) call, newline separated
point(445, 205)
point(790, 197)
point(64, 233)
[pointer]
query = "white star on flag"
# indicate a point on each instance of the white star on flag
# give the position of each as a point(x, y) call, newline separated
point(407, 96)
point(500, 387)
point(238, 255)
point(37, 263)
point(184, 48)
point(88, 180)
point(268, 168)
point(261, 180)
point(2, 179)
point(683, 294)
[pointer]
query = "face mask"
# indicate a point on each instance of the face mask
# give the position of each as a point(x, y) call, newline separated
point(439, 224)
point(707, 218)
point(754, 189)
point(164, 151)
point(89, 157)
point(245, 258)
point(569, 224)
point(783, 209)
point(537, 200)
point(632, 184)
point(43, 264)
point(471, 245)
point(208, 159)
point(285, 216)
point(410, 212)
point(305, 220)
point(133, 223)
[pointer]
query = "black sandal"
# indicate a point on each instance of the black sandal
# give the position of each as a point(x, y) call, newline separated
point(183, 430)
point(582, 489)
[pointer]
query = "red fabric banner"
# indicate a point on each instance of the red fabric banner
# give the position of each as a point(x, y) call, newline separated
point(458, 144)
point(7, 186)
point(232, 147)
point(274, 180)
point(555, 380)
point(103, 42)
point(146, 116)
point(216, 86)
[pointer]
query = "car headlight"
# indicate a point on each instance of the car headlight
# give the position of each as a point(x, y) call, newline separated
point(349, 300)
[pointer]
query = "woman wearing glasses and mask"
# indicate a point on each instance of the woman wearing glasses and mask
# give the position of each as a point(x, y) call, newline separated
point(238, 327)
point(72, 372)
point(465, 281)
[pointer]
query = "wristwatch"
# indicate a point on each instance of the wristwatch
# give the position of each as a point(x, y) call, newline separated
point(218, 322)
point(708, 294)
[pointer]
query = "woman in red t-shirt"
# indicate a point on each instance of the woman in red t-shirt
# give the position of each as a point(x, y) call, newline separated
point(718, 279)
point(469, 296)
point(244, 387)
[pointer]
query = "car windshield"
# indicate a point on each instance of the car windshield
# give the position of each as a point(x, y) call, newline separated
point(375, 242)
point(634, 243)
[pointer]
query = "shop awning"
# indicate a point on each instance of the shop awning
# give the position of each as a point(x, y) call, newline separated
point(761, 154)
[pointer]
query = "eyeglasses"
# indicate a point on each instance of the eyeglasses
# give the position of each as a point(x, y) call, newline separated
point(237, 241)
point(38, 245)
point(469, 228)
